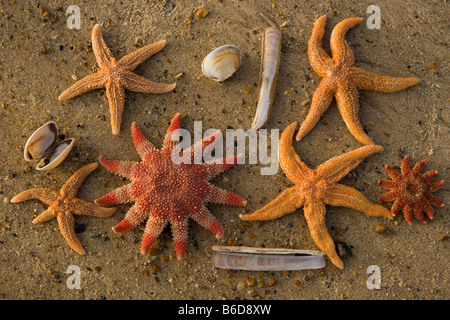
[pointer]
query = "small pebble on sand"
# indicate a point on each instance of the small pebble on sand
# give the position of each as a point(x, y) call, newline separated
point(201, 13)
point(380, 228)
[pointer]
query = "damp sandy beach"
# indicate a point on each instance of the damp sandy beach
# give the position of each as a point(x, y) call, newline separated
point(40, 57)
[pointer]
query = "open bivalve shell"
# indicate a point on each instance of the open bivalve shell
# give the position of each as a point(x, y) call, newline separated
point(266, 259)
point(42, 146)
point(222, 62)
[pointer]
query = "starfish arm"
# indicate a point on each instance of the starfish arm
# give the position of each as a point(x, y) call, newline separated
point(116, 99)
point(179, 225)
point(418, 213)
point(321, 101)
point(137, 214)
point(348, 104)
point(70, 188)
point(143, 146)
point(133, 82)
point(427, 177)
point(338, 167)
point(435, 201)
point(428, 209)
point(430, 175)
point(388, 196)
point(134, 59)
point(407, 212)
point(340, 195)
point(394, 175)
point(387, 184)
point(405, 167)
point(315, 217)
point(366, 80)
point(214, 167)
point(218, 195)
point(318, 58)
point(174, 126)
point(45, 216)
point(341, 51)
point(179, 233)
point(124, 168)
point(204, 218)
point(67, 227)
point(288, 201)
point(102, 53)
point(436, 185)
point(117, 196)
point(196, 151)
point(153, 228)
point(91, 82)
point(83, 208)
point(418, 168)
point(290, 162)
point(45, 195)
point(397, 206)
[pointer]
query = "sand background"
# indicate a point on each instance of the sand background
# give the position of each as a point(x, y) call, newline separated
point(40, 56)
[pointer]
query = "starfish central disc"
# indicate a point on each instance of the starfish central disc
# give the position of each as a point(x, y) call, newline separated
point(164, 191)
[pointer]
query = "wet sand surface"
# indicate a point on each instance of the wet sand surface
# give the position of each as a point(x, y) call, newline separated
point(40, 57)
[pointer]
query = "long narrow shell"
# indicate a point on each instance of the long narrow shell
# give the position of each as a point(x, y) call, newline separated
point(266, 259)
point(222, 62)
point(279, 251)
point(270, 62)
point(41, 141)
point(56, 156)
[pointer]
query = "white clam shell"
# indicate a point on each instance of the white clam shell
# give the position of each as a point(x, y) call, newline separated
point(56, 156)
point(222, 62)
point(41, 141)
point(266, 259)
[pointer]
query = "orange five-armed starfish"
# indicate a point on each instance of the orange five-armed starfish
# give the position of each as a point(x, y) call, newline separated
point(63, 205)
point(117, 76)
point(341, 79)
point(315, 188)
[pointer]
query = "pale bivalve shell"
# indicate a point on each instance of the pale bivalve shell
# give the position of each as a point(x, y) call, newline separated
point(222, 63)
point(41, 141)
point(56, 156)
point(266, 259)
point(42, 146)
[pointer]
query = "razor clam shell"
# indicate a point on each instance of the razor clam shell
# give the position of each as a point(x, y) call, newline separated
point(41, 141)
point(56, 156)
point(279, 251)
point(222, 62)
point(270, 62)
point(266, 262)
